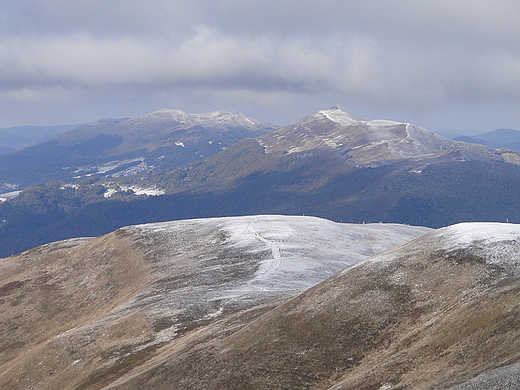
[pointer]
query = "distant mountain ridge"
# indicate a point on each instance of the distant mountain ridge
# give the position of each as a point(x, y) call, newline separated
point(330, 164)
point(371, 142)
point(367, 142)
point(154, 130)
point(340, 143)
point(499, 138)
point(162, 139)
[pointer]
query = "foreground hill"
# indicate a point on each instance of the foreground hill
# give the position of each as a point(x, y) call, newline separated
point(89, 313)
point(118, 147)
point(432, 314)
point(216, 304)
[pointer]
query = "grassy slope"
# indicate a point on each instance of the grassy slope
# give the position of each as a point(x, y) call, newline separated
point(427, 320)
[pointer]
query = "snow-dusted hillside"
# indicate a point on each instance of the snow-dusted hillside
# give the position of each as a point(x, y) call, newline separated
point(217, 120)
point(370, 143)
point(225, 303)
point(493, 243)
point(157, 128)
point(430, 314)
point(268, 255)
point(93, 311)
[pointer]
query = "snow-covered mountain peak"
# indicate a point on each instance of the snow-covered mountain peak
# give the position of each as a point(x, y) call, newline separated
point(369, 142)
point(166, 113)
point(337, 114)
point(213, 118)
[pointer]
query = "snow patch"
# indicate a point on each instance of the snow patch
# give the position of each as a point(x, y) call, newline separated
point(90, 170)
point(9, 195)
point(150, 191)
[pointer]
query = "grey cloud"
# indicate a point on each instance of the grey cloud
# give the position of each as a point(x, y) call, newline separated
point(383, 53)
point(486, 21)
point(351, 65)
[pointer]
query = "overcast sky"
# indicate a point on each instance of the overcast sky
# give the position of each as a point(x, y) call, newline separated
point(445, 63)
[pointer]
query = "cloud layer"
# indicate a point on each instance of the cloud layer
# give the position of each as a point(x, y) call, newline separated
point(419, 57)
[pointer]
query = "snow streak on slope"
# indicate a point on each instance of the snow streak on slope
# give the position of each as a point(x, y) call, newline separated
point(269, 267)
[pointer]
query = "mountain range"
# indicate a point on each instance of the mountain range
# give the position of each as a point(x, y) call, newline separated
point(499, 138)
point(16, 138)
point(258, 302)
point(115, 147)
point(330, 164)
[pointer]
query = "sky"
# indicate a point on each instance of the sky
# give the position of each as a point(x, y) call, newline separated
point(451, 64)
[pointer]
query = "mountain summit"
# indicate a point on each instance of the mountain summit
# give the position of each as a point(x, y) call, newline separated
point(337, 114)
point(201, 134)
point(154, 129)
point(370, 142)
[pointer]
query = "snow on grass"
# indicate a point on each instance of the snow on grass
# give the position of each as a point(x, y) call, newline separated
point(202, 269)
point(496, 243)
point(463, 235)
point(90, 170)
point(9, 195)
point(301, 251)
point(493, 242)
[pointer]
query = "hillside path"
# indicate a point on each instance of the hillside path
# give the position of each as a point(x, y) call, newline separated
point(268, 267)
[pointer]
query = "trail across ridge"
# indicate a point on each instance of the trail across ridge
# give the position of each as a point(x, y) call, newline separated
point(268, 267)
